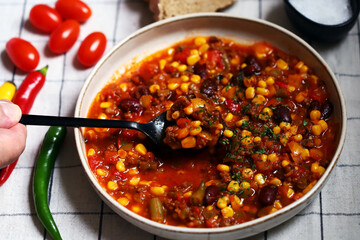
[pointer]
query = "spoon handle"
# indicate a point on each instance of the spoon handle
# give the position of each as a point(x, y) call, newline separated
point(28, 119)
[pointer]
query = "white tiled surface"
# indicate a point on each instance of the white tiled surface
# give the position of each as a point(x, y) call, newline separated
point(78, 211)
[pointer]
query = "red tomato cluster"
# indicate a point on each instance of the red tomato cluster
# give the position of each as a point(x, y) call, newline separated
point(63, 25)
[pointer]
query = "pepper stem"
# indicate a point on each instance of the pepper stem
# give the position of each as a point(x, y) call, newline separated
point(43, 70)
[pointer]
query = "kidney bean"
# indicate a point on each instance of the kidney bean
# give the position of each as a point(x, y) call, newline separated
point(253, 66)
point(140, 91)
point(211, 194)
point(209, 87)
point(267, 195)
point(282, 114)
point(200, 69)
point(326, 109)
point(214, 39)
point(131, 105)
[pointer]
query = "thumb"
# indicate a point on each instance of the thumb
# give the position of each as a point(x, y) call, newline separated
point(10, 114)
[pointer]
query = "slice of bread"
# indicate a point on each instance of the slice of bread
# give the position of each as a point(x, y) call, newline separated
point(169, 8)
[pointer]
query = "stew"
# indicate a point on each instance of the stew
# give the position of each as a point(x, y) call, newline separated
point(251, 133)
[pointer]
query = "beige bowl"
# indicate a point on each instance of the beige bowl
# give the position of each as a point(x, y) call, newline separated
point(162, 34)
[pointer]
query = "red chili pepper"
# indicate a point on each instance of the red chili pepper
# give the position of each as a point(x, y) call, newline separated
point(24, 98)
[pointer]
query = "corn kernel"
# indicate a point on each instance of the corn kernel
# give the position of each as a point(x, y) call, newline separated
point(188, 110)
point(227, 212)
point(140, 148)
point(120, 166)
point(263, 157)
point(229, 117)
point(290, 193)
point(184, 87)
point(91, 152)
point(257, 139)
point(270, 80)
point(315, 167)
point(262, 84)
point(316, 130)
point(273, 157)
point(102, 116)
point(123, 87)
point(247, 141)
point(188, 142)
point(259, 99)
point(259, 178)
point(112, 185)
point(244, 185)
point(285, 163)
point(182, 68)
point(199, 41)
point(158, 191)
point(282, 64)
point(233, 186)
point(276, 130)
point(223, 168)
point(175, 115)
point(134, 181)
point(175, 64)
point(101, 172)
point(243, 65)
point(123, 201)
point(315, 115)
point(304, 69)
point(136, 209)
point(173, 85)
point(162, 63)
point(247, 173)
point(250, 93)
point(222, 202)
point(203, 48)
point(105, 104)
point(241, 122)
point(195, 78)
point(275, 181)
point(184, 78)
point(262, 91)
point(268, 111)
point(321, 170)
point(195, 131)
point(298, 137)
point(192, 60)
point(194, 52)
point(300, 97)
point(246, 133)
point(153, 88)
point(219, 126)
point(285, 125)
point(323, 125)
point(235, 61)
point(188, 194)
point(299, 65)
point(235, 202)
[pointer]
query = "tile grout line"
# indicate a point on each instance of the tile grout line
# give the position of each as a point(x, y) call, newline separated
point(321, 218)
point(101, 219)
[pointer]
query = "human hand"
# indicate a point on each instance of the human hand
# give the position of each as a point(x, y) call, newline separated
point(12, 133)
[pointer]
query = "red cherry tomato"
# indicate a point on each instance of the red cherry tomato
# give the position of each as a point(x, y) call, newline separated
point(23, 54)
point(73, 9)
point(91, 49)
point(64, 36)
point(44, 18)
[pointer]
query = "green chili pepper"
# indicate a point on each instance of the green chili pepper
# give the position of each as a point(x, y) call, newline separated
point(198, 196)
point(44, 165)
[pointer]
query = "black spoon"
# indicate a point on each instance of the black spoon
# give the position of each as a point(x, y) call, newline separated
point(155, 129)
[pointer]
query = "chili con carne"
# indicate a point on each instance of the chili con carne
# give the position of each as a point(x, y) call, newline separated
point(52, 143)
point(251, 133)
